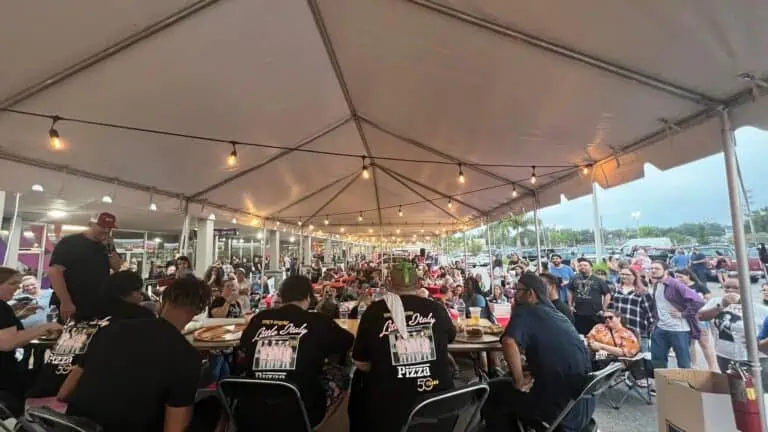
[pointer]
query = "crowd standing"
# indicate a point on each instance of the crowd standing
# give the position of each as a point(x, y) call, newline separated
point(565, 322)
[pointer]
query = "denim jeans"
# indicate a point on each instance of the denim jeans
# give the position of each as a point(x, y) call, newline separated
point(219, 367)
point(645, 344)
point(663, 340)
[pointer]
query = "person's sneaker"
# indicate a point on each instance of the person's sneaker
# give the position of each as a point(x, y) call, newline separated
point(652, 390)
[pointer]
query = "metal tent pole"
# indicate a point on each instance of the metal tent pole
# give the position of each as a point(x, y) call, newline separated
point(737, 220)
point(536, 227)
point(490, 254)
point(466, 264)
point(184, 240)
point(596, 221)
point(15, 248)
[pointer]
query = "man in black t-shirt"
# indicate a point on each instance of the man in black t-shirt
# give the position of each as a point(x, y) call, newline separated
point(402, 344)
point(110, 384)
point(121, 302)
point(557, 364)
point(292, 344)
point(80, 265)
point(589, 296)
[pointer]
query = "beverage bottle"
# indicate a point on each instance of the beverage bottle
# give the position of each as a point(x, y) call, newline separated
point(53, 314)
point(461, 309)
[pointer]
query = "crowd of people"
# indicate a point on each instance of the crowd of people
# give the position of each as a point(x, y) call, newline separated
point(565, 322)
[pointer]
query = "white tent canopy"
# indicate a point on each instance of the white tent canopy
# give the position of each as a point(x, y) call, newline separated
point(613, 83)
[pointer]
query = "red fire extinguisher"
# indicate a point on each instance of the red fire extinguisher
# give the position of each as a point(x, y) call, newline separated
point(744, 398)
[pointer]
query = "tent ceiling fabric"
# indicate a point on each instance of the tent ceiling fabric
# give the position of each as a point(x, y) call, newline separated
point(426, 80)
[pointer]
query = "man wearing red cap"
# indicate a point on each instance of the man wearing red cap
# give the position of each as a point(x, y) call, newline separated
point(80, 266)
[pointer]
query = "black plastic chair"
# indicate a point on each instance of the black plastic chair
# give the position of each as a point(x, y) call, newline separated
point(598, 382)
point(44, 419)
point(266, 406)
point(451, 411)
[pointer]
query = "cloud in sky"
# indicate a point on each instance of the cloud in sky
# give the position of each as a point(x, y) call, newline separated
point(695, 192)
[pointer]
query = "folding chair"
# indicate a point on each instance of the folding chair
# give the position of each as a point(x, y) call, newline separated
point(5, 414)
point(44, 419)
point(451, 411)
point(636, 369)
point(266, 406)
point(598, 382)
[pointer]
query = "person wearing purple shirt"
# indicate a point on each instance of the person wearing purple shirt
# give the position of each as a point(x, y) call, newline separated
point(675, 316)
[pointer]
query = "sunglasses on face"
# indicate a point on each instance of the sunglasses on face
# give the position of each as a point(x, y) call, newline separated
point(609, 317)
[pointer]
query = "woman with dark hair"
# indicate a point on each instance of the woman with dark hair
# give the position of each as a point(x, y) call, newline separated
point(13, 336)
point(633, 301)
point(214, 277)
point(706, 341)
point(473, 297)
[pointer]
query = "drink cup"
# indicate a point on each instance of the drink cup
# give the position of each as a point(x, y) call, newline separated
point(474, 313)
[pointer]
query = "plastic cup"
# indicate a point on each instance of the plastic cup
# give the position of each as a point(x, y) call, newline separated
point(474, 313)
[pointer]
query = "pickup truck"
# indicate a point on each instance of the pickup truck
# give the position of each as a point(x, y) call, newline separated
point(756, 270)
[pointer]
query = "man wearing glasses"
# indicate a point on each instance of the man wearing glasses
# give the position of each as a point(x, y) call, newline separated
point(675, 316)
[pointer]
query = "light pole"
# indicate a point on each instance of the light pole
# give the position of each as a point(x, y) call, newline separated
point(636, 217)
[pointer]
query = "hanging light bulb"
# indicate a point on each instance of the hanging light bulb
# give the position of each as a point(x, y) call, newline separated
point(232, 158)
point(341, 229)
point(54, 139)
point(370, 230)
point(212, 217)
point(360, 217)
point(400, 211)
point(366, 174)
point(514, 191)
point(397, 231)
point(326, 220)
point(461, 175)
point(533, 174)
point(234, 220)
point(585, 169)
point(37, 188)
point(299, 222)
point(106, 199)
point(311, 227)
point(450, 203)
point(152, 206)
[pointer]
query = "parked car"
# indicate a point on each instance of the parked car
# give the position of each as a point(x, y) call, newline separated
point(655, 253)
point(587, 251)
point(482, 260)
point(756, 270)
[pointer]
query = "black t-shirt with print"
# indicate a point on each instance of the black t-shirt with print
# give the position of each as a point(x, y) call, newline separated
point(403, 370)
point(588, 294)
point(74, 341)
point(86, 265)
point(118, 391)
point(555, 355)
point(10, 370)
point(291, 344)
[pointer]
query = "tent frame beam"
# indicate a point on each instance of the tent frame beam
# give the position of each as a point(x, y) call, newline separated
point(571, 54)
point(106, 53)
point(313, 193)
point(305, 142)
point(395, 177)
point(443, 155)
point(433, 190)
point(332, 199)
point(334, 60)
point(736, 100)
point(67, 170)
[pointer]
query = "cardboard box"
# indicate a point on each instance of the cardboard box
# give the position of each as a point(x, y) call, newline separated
point(690, 400)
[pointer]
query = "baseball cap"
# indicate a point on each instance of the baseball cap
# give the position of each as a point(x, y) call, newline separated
point(104, 220)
